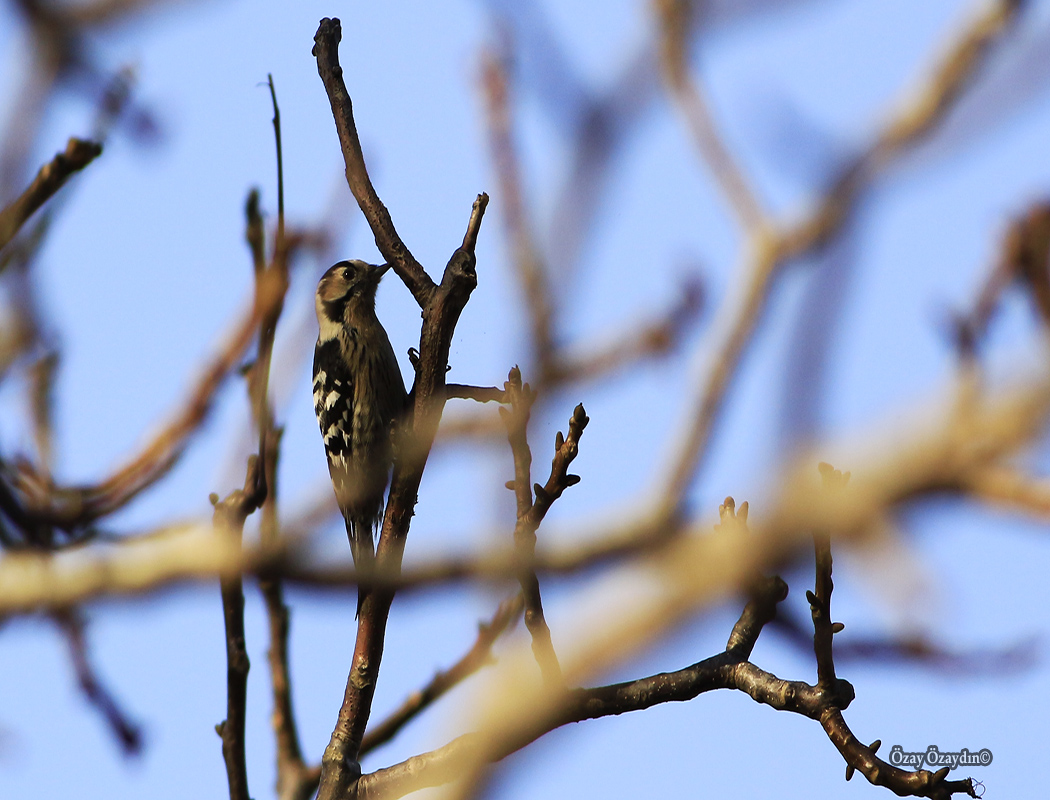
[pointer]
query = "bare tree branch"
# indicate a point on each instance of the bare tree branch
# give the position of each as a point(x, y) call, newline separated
point(127, 733)
point(51, 177)
point(229, 522)
point(397, 254)
point(676, 27)
point(769, 251)
point(516, 417)
point(474, 659)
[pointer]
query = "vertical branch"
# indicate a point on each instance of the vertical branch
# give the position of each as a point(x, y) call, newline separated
point(820, 598)
point(530, 269)
point(290, 766)
point(675, 25)
point(280, 165)
point(228, 520)
point(74, 627)
point(516, 418)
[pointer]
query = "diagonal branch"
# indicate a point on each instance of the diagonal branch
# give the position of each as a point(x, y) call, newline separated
point(676, 28)
point(128, 733)
point(76, 506)
point(51, 177)
point(474, 659)
point(395, 251)
point(730, 669)
point(769, 251)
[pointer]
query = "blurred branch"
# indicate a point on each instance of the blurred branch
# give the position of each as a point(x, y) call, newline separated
point(1024, 258)
point(31, 582)
point(923, 108)
point(942, 457)
point(915, 651)
point(770, 250)
point(528, 263)
point(634, 346)
point(110, 12)
point(74, 627)
point(71, 507)
point(51, 177)
point(676, 30)
point(42, 383)
point(1011, 487)
point(474, 659)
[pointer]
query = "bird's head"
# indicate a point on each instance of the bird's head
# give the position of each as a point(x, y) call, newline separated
point(349, 286)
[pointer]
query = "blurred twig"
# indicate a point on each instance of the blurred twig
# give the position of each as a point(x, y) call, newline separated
point(78, 154)
point(528, 264)
point(769, 250)
point(290, 765)
point(677, 30)
point(474, 659)
point(127, 733)
point(70, 507)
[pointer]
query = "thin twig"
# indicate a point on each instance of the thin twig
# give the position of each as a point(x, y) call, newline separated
point(229, 523)
point(127, 733)
point(51, 177)
point(444, 680)
point(676, 30)
point(528, 264)
point(770, 250)
point(290, 765)
point(516, 417)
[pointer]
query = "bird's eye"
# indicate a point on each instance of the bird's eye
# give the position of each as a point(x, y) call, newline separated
point(348, 274)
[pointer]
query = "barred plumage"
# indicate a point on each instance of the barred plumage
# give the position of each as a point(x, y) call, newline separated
point(358, 393)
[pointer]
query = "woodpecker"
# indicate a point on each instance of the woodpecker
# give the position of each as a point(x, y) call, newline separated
point(358, 394)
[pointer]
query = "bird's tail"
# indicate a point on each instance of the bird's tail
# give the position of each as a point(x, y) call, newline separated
point(360, 532)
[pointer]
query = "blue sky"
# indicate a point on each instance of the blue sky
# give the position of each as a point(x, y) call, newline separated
point(147, 266)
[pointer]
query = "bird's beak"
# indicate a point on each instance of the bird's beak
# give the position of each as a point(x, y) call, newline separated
point(381, 270)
